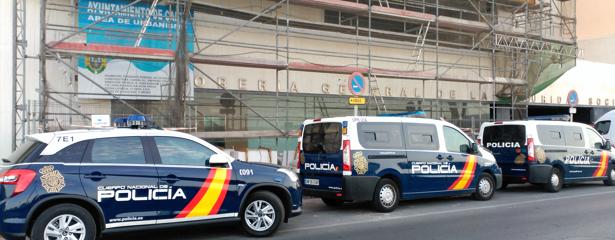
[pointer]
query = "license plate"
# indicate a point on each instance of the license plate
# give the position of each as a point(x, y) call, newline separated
point(310, 181)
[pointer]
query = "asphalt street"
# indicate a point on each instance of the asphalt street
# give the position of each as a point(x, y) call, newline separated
point(582, 211)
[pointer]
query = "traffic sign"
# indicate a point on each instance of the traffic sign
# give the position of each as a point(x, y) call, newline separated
point(357, 100)
point(356, 83)
point(572, 99)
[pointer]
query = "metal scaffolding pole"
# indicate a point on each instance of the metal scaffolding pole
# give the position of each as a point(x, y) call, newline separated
point(20, 116)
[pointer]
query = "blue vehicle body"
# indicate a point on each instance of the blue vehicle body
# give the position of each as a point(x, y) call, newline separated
point(419, 171)
point(123, 197)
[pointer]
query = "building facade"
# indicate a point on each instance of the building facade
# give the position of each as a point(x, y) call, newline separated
point(258, 68)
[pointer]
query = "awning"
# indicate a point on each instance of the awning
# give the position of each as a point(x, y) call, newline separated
point(593, 82)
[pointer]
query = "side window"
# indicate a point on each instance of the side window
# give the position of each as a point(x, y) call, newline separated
point(455, 141)
point(551, 135)
point(574, 136)
point(179, 151)
point(421, 136)
point(118, 150)
point(594, 140)
point(603, 127)
point(70, 154)
point(380, 135)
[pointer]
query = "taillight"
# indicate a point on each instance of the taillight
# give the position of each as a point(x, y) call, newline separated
point(530, 151)
point(347, 162)
point(21, 178)
point(298, 156)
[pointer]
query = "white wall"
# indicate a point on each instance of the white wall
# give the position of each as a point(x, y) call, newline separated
point(6, 73)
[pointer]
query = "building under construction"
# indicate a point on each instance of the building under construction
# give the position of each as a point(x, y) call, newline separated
point(243, 74)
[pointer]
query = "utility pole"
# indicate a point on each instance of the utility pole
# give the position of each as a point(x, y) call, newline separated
point(181, 64)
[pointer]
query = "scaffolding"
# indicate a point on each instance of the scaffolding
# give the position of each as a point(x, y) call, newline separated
point(510, 41)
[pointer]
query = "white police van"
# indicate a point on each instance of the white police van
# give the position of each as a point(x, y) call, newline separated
point(385, 159)
point(549, 153)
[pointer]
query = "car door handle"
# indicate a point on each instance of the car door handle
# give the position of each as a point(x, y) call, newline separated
point(450, 158)
point(170, 178)
point(440, 157)
point(95, 176)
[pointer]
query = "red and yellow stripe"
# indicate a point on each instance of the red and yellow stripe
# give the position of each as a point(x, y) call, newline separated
point(602, 168)
point(467, 175)
point(210, 197)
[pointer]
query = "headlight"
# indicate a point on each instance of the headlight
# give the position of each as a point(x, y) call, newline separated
point(291, 175)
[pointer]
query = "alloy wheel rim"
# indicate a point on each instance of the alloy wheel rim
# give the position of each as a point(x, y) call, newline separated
point(260, 215)
point(387, 196)
point(484, 187)
point(65, 227)
point(554, 180)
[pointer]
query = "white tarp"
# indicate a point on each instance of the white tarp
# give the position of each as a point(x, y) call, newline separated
point(594, 83)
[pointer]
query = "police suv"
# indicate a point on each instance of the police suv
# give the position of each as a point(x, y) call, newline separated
point(548, 153)
point(78, 184)
point(385, 159)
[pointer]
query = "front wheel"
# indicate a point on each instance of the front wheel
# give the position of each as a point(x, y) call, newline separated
point(555, 182)
point(386, 196)
point(610, 181)
point(63, 222)
point(485, 187)
point(262, 214)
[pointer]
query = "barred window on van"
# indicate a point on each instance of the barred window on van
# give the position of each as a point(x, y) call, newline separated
point(603, 127)
point(551, 135)
point(421, 136)
point(380, 135)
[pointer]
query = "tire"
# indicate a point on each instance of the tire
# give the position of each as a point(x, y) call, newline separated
point(485, 187)
point(555, 182)
point(610, 181)
point(332, 202)
point(53, 216)
point(386, 196)
point(262, 205)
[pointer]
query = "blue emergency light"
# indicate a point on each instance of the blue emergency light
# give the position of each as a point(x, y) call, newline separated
point(120, 122)
point(138, 121)
point(416, 114)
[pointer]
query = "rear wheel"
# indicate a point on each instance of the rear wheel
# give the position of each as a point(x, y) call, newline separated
point(262, 214)
point(485, 187)
point(555, 181)
point(610, 181)
point(64, 222)
point(386, 196)
point(333, 202)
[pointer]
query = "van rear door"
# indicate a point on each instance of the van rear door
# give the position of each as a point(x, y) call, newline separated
point(321, 168)
point(507, 142)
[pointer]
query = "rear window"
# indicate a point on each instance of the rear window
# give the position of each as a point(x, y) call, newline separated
point(381, 135)
point(504, 134)
point(322, 138)
point(603, 127)
point(27, 152)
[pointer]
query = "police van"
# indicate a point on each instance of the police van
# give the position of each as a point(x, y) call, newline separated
point(78, 184)
point(548, 153)
point(387, 159)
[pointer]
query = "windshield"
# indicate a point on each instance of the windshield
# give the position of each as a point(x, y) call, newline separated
point(25, 152)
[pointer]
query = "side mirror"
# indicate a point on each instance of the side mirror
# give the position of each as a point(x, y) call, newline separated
point(218, 159)
point(607, 145)
point(474, 148)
